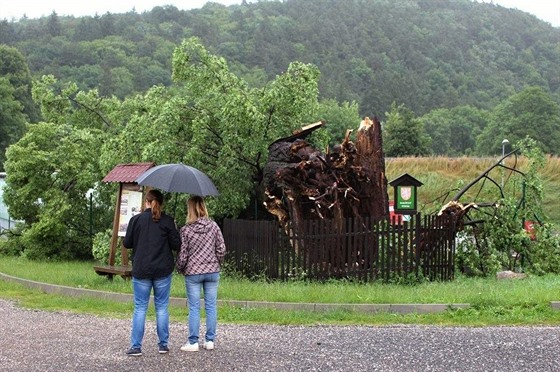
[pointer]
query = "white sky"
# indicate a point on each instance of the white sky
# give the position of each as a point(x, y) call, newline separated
point(547, 10)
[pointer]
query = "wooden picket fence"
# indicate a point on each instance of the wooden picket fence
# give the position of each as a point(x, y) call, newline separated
point(360, 249)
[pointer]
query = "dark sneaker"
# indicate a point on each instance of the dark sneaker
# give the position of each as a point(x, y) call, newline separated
point(163, 349)
point(134, 351)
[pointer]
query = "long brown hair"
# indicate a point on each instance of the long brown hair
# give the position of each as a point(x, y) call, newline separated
point(196, 208)
point(155, 198)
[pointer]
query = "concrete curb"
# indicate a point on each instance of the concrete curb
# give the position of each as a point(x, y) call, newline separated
point(293, 306)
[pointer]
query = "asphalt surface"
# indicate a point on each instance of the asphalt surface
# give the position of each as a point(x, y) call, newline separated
point(32, 340)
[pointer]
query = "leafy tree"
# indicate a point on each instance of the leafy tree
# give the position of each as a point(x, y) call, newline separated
point(530, 113)
point(454, 131)
point(13, 66)
point(53, 26)
point(49, 172)
point(404, 134)
point(7, 32)
point(87, 29)
point(52, 167)
point(12, 119)
point(339, 118)
point(234, 124)
point(212, 121)
point(107, 24)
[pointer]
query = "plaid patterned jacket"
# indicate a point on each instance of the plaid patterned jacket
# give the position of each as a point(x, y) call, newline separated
point(202, 248)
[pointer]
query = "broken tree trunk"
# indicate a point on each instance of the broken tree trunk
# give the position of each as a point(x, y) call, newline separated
point(302, 183)
point(369, 147)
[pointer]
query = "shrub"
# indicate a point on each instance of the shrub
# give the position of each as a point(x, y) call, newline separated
point(102, 246)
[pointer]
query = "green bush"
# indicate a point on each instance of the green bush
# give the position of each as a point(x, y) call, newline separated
point(12, 245)
point(501, 243)
point(544, 253)
point(473, 258)
point(102, 246)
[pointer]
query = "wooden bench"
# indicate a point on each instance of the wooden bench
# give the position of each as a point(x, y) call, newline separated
point(124, 271)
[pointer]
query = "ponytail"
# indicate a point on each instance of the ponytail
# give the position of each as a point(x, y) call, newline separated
point(155, 198)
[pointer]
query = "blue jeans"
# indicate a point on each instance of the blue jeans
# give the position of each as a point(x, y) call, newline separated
point(209, 283)
point(142, 289)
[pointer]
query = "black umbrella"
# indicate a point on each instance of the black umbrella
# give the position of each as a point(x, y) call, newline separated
point(178, 178)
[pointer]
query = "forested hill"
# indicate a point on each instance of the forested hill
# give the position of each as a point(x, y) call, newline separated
point(426, 54)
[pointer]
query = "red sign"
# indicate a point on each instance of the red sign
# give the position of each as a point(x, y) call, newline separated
point(392, 215)
point(530, 228)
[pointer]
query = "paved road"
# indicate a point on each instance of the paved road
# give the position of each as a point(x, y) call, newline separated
point(32, 340)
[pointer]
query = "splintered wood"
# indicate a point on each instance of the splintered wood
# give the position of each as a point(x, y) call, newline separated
point(302, 183)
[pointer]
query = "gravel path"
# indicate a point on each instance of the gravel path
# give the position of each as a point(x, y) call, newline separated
point(32, 340)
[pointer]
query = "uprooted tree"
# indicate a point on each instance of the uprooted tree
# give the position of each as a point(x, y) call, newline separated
point(348, 181)
point(301, 182)
point(506, 230)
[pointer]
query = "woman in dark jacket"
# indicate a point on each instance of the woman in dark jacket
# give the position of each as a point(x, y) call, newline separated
point(152, 235)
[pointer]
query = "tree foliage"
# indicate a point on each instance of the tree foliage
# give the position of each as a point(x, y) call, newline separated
point(53, 166)
point(427, 55)
point(13, 66)
point(404, 134)
point(12, 119)
point(235, 124)
point(49, 172)
point(339, 117)
point(454, 131)
point(502, 241)
point(16, 104)
point(530, 113)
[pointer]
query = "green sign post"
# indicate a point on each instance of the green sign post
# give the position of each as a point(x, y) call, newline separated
point(405, 188)
point(406, 198)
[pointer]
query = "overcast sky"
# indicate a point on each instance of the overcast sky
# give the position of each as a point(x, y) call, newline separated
point(547, 10)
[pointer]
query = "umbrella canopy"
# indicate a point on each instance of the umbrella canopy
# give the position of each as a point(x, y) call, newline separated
point(178, 178)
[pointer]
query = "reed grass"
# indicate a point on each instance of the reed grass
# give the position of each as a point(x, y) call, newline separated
point(443, 177)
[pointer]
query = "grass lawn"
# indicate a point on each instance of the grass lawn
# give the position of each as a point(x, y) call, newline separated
point(508, 302)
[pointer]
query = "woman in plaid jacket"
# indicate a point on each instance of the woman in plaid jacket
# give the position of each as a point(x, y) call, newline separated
point(200, 259)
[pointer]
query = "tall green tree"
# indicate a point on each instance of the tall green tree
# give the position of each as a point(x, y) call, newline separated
point(454, 131)
point(404, 134)
point(13, 66)
point(235, 124)
point(211, 120)
point(530, 113)
point(8, 33)
point(12, 119)
point(54, 165)
point(49, 172)
point(339, 118)
point(53, 26)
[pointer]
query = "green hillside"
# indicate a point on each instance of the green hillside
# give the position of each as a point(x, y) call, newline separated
point(427, 54)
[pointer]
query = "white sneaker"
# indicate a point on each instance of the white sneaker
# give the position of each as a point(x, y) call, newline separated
point(189, 347)
point(209, 345)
